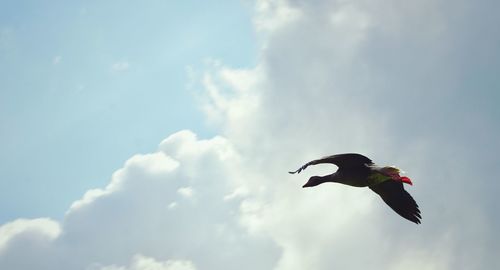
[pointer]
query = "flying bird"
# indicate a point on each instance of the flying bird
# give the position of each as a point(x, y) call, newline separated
point(359, 171)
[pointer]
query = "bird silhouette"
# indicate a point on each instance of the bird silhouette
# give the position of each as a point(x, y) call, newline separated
point(359, 171)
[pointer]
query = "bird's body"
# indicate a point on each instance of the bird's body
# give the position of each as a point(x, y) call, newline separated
point(347, 178)
point(359, 171)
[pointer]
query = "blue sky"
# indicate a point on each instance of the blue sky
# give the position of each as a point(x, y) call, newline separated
point(86, 84)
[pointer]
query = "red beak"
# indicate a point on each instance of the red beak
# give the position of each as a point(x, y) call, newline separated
point(406, 180)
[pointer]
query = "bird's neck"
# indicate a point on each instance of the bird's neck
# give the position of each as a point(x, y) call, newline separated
point(334, 177)
point(325, 179)
point(351, 179)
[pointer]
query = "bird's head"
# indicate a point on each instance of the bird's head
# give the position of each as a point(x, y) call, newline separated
point(314, 181)
point(393, 172)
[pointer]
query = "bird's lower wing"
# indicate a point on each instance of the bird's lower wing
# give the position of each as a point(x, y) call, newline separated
point(398, 199)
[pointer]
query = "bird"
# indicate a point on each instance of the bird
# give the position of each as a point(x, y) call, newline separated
point(359, 171)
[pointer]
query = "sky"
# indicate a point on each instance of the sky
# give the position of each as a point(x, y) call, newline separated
point(159, 136)
point(85, 85)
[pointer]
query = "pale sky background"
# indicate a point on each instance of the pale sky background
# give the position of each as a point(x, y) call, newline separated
point(158, 135)
point(86, 84)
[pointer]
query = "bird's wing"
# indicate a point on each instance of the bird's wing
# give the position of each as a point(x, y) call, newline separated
point(394, 195)
point(343, 161)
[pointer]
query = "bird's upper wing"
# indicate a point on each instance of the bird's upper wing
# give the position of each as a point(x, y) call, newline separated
point(394, 195)
point(343, 161)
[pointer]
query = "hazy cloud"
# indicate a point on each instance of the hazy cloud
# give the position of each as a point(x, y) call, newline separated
point(120, 66)
point(369, 77)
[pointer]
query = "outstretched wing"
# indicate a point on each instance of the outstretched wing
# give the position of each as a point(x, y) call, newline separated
point(343, 161)
point(394, 195)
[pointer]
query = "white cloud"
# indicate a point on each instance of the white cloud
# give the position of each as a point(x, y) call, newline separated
point(141, 262)
point(340, 76)
point(42, 229)
point(273, 14)
point(186, 192)
point(108, 226)
point(172, 205)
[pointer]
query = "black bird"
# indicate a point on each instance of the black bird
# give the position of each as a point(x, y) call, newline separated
point(359, 171)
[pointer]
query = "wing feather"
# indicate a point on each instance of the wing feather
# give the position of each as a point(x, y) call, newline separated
point(394, 195)
point(343, 161)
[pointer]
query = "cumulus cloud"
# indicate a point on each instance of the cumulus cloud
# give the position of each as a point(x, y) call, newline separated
point(42, 229)
point(168, 205)
point(333, 76)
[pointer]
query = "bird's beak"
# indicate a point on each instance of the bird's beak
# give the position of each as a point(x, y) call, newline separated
point(406, 180)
